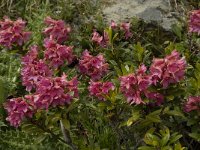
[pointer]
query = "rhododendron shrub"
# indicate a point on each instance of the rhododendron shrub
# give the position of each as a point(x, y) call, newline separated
point(93, 66)
point(169, 70)
point(57, 54)
point(100, 89)
point(56, 30)
point(108, 84)
point(194, 22)
point(33, 69)
point(13, 32)
point(17, 109)
point(100, 40)
point(38, 76)
point(192, 104)
point(134, 85)
point(103, 40)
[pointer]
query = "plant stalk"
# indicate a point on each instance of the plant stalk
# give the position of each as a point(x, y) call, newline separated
point(67, 137)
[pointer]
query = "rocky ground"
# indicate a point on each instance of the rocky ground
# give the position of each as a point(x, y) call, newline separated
point(159, 11)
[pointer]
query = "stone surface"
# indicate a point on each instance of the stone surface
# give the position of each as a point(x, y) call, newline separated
point(148, 10)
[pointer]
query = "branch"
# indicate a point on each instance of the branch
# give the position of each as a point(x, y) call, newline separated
point(67, 137)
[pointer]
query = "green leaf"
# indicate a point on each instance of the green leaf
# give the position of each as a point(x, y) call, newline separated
point(114, 37)
point(165, 138)
point(176, 113)
point(113, 62)
point(174, 138)
point(170, 97)
point(2, 124)
point(195, 136)
point(154, 116)
point(169, 48)
point(124, 69)
point(178, 146)
point(167, 148)
point(177, 29)
point(39, 139)
point(119, 73)
point(3, 90)
point(109, 32)
point(151, 139)
point(66, 123)
point(138, 52)
point(135, 117)
point(146, 148)
point(30, 128)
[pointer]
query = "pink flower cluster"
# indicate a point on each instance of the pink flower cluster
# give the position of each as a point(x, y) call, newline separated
point(100, 40)
point(124, 27)
point(93, 66)
point(57, 54)
point(54, 92)
point(157, 97)
point(56, 30)
point(168, 70)
point(113, 24)
point(33, 69)
point(100, 89)
point(17, 109)
point(165, 71)
point(193, 103)
point(50, 92)
point(133, 86)
point(47, 91)
point(194, 22)
point(12, 32)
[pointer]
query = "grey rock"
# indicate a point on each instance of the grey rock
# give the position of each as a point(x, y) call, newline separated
point(149, 10)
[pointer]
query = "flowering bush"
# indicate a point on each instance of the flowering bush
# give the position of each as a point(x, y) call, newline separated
point(100, 90)
point(33, 69)
point(93, 66)
point(12, 32)
point(171, 69)
point(135, 84)
point(17, 109)
point(194, 21)
point(192, 103)
point(108, 91)
point(56, 30)
point(57, 54)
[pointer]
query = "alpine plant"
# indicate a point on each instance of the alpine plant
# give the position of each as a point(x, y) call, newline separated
point(93, 66)
point(194, 22)
point(100, 89)
point(12, 33)
point(38, 68)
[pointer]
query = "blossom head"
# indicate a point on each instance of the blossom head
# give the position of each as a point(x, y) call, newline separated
point(126, 28)
point(157, 97)
point(33, 69)
point(113, 24)
point(13, 32)
point(100, 40)
point(133, 86)
point(170, 69)
point(56, 30)
point(93, 66)
point(193, 103)
point(194, 22)
point(100, 89)
point(17, 109)
point(55, 92)
point(57, 54)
